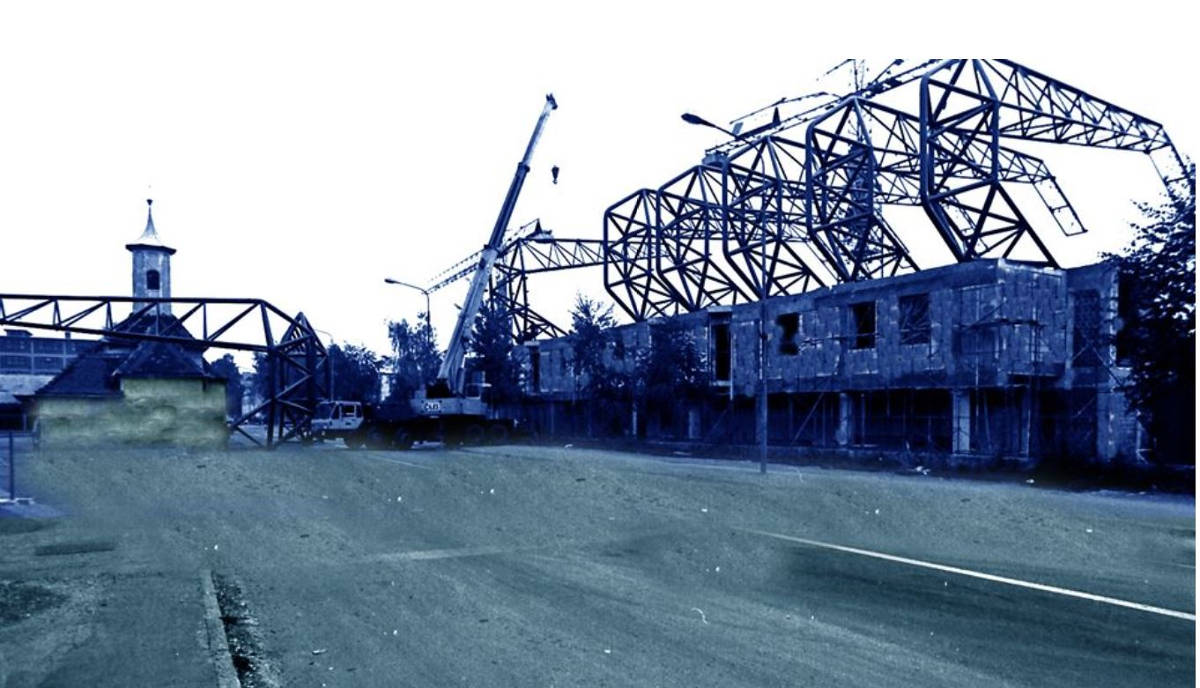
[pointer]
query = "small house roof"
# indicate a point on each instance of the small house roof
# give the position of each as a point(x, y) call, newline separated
point(89, 375)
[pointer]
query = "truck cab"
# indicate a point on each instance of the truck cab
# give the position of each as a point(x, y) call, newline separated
point(337, 419)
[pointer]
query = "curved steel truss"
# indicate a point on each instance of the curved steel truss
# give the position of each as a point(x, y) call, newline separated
point(771, 213)
point(795, 200)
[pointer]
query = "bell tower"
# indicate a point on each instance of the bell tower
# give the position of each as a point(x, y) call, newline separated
point(151, 265)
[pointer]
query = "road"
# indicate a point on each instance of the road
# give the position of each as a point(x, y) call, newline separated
point(568, 567)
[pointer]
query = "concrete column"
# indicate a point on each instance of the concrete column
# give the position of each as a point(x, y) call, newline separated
point(960, 412)
point(1025, 440)
point(1106, 426)
point(693, 429)
point(633, 421)
point(845, 426)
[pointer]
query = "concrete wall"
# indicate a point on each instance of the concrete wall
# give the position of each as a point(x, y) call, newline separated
point(989, 321)
point(1094, 323)
point(176, 412)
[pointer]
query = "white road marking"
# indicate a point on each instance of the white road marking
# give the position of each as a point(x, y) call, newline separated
point(428, 554)
point(406, 463)
point(982, 576)
point(367, 455)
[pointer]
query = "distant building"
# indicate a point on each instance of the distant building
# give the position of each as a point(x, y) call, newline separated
point(28, 362)
point(128, 391)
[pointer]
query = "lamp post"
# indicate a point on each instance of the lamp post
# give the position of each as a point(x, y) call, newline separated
point(762, 318)
point(428, 312)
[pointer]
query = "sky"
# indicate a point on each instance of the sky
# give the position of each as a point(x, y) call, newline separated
point(301, 152)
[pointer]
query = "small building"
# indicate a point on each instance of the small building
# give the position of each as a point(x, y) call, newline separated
point(130, 391)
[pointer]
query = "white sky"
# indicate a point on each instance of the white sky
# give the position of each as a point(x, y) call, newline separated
point(301, 152)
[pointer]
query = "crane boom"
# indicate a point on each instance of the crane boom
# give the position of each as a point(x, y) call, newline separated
point(451, 373)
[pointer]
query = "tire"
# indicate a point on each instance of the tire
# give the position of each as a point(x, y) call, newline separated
point(473, 435)
point(355, 441)
point(497, 433)
point(402, 439)
point(375, 439)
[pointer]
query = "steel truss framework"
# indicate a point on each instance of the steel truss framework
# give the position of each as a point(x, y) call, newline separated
point(771, 213)
point(532, 251)
point(297, 360)
point(533, 255)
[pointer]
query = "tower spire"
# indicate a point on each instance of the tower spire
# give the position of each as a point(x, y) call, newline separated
point(150, 234)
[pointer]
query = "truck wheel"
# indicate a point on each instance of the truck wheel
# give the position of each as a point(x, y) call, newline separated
point(355, 441)
point(473, 434)
point(498, 433)
point(402, 439)
point(376, 439)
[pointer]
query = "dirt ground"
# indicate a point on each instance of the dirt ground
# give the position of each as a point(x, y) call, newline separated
point(558, 566)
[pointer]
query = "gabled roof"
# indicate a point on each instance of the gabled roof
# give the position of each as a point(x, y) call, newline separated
point(97, 373)
point(160, 359)
point(148, 323)
point(89, 375)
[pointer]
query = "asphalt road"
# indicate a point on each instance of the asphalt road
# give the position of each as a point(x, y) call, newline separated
point(565, 567)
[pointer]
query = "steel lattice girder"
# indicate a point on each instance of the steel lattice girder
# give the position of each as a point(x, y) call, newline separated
point(631, 274)
point(861, 141)
point(843, 172)
point(297, 360)
point(765, 234)
point(689, 219)
point(960, 120)
point(529, 254)
point(509, 291)
point(533, 255)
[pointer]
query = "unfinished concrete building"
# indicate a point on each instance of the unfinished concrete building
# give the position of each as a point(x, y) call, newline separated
point(985, 360)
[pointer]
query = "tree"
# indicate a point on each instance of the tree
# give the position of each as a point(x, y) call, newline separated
point(1159, 329)
point(590, 335)
point(492, 344)
point(673, 368)
point(262, 376)
point(355, 373)
point(226, 369)
point(416, 357)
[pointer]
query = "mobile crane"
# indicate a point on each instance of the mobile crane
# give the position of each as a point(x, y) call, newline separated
point(449, 409)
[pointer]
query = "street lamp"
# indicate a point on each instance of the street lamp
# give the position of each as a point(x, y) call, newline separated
point(762, 315)
point(698, 120)
point(428, 313)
